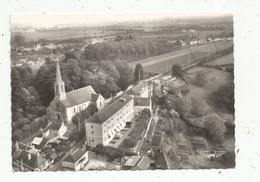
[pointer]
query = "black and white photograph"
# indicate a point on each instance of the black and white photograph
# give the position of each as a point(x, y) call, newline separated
point(122, 91)
point(129, 91)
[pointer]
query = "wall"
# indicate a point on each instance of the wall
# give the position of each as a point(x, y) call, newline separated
point(93, 133)
point(72, 111)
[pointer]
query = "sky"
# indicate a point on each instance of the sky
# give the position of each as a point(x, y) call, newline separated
point(96, 19)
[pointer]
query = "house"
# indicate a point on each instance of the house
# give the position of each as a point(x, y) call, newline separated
point(102, 126)
point(76, 160)
point(141, 103)
point(55, 129)
point(30, 161)
point(39, 142)
point(66, 105)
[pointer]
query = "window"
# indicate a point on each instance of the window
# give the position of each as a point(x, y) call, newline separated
point(91, 126)
point(92, 140)
point(75, 110)
point(92, 132)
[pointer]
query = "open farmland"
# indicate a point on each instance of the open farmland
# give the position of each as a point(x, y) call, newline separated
point(163, 63)
point(228, 59)
point(61, 34)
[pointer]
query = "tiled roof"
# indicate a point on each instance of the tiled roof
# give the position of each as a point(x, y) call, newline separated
point(105, 113)
point(37, 140)
point(31, 160)
point(141, 101)
point(75, 156)
point(79, 96)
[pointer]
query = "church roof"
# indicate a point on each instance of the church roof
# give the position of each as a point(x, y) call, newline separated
point(58, 75)
point(105, 113)
point(79, 96)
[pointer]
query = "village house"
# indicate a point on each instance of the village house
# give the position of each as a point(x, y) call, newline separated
point(29, 159)
point(76, 160)
point(66, 105)
point(55, 130)
point(102, 127)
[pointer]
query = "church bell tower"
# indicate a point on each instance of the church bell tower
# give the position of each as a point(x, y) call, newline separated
point(59, 87)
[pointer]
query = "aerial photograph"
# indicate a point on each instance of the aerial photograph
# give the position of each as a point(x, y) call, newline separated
point(122, 92)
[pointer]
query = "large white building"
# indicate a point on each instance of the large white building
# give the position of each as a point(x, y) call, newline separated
point(66, 105)
point(102, 127)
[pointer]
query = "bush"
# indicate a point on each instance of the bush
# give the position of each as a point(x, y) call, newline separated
point(128, 143)
point(199, 107)
point(215, 127)
point(201, 79)
point(110, 152)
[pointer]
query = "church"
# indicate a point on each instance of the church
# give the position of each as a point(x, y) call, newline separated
point(66, 105)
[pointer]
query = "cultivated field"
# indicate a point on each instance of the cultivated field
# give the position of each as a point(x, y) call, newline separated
point(228, 59)
point(163, 63)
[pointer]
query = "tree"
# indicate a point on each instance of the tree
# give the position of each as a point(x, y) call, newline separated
point(224, 97)
point(215, 127)
point(177, 71)
point(126, 74)
point(199, 107)
point(201, 79)
point(139, 72)
point(17, 135)
point(183, 106)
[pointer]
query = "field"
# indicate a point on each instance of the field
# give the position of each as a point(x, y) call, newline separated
point(61, 34)
point(164, 62)
point(228, 59)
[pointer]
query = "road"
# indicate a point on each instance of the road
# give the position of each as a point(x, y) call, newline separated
point(153, 118)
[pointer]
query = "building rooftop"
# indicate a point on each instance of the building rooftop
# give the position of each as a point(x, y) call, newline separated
point(138, 89)
point(141, 101)
point(79, 96)
point(75, 156)
point(105, 113)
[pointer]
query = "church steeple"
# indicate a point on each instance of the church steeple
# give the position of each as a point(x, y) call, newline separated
point(59, 86)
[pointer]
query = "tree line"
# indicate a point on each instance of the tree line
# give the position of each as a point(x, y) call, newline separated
point(130, 49)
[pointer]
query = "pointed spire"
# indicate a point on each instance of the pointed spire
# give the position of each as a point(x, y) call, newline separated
point(58, 74)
